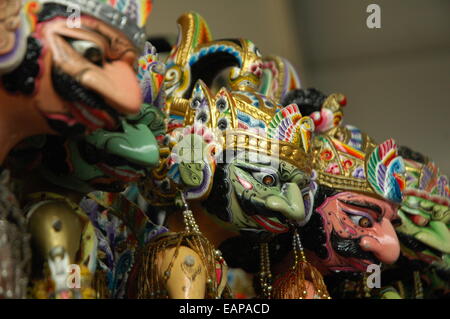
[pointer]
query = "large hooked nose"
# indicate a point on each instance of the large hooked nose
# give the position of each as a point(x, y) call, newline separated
point(289, 202)
point(383, 243)
point(118, 85)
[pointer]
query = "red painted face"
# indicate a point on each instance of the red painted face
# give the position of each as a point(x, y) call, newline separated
point(100, 60)
point(359, 231)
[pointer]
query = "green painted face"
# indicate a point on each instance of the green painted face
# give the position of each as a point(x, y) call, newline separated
point(262, 194)
point(427, 222)
point(107, 160)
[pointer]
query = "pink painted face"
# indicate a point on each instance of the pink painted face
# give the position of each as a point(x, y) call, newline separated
point(88, 74)
point(359, 232)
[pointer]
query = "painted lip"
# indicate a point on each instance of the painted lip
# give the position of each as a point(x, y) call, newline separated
point(127, 176)
point(270, 225)
point(92, 118)
point(359, 265)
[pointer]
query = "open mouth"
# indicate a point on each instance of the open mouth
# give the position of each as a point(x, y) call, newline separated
point(92, 118)
point(270, 225)
point(86, 106)
point(261, 215)
point(111, 164)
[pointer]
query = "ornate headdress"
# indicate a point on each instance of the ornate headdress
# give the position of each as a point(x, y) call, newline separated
point(248, 121)
point(424, 180)
point(347, 159)
point(279, 77)
point(129, 16)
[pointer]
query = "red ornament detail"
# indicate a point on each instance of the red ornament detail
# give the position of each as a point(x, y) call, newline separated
point(326, 155)
point(348, 163)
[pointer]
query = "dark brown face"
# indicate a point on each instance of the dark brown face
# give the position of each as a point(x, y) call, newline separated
point(358, 231)
point(88, 74)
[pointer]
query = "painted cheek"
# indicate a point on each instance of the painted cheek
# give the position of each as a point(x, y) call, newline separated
point(382, 242)
point(348, 230)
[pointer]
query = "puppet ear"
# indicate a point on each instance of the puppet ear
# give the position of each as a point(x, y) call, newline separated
point(14, 31)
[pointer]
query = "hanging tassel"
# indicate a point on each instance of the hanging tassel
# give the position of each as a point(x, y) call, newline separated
point(300, 278)
point(149, 282)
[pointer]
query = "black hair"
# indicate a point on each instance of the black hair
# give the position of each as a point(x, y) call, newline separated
point(308, 100)
point(162, 44)
point(23, 78)
point(313, 233)
point(407, 153)
point(217, 202)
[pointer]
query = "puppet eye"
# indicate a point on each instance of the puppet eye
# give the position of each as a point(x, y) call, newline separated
point(89, 50)
point(265, 178)
point(361, 221)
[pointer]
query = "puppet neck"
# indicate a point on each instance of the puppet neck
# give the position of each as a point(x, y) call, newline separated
point(19, 119)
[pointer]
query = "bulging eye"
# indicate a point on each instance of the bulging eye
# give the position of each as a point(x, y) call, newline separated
point(265, 179)
point(361, 221)
point(89, 50)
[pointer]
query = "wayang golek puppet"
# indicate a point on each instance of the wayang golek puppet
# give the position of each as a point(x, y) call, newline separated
point(358, 187)
point(207, 167)
point(53, 80)
point(236, 165)
point(422, 270)
point(67, 229)
point(341, 240)
point(421, 226)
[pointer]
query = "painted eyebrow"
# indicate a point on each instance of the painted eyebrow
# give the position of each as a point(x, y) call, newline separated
point(363, 204)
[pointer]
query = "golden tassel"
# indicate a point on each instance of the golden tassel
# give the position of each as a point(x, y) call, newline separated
point(294, 284)
point(152, 285)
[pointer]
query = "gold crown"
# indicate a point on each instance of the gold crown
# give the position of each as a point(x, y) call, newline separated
point(347, 159)
point(248, 121)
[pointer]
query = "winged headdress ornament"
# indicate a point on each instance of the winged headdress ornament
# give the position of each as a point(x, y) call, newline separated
point(348, 159)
